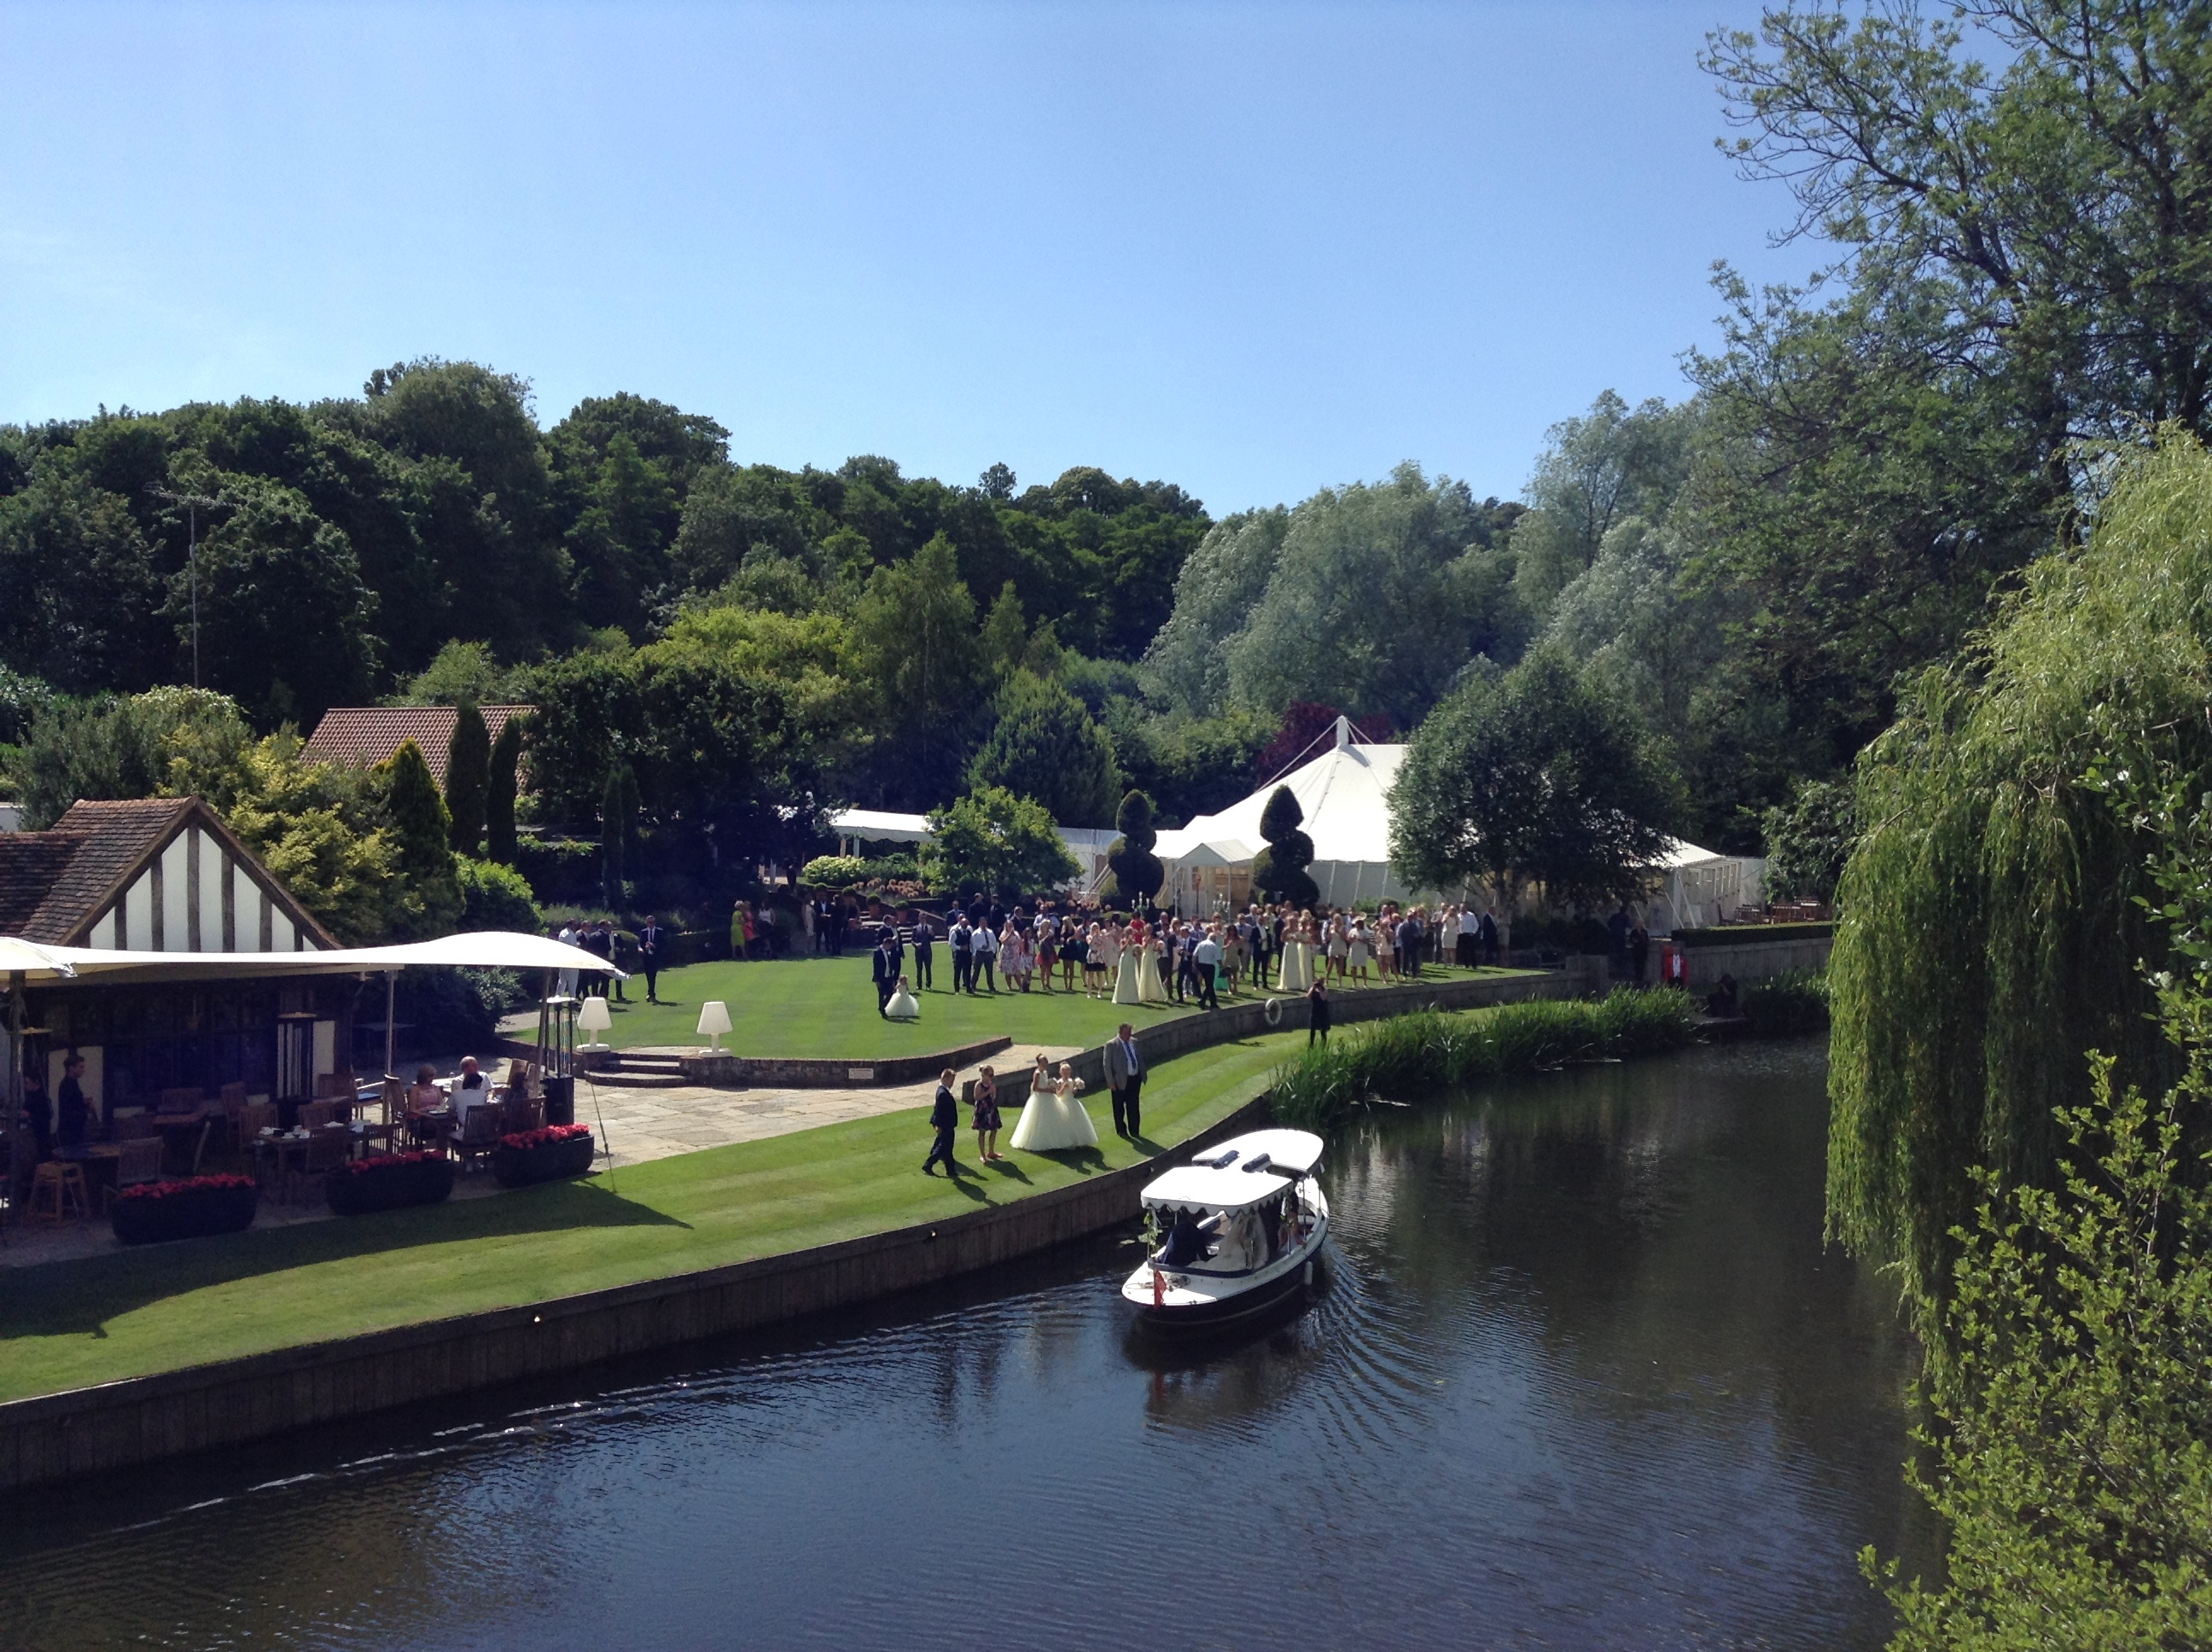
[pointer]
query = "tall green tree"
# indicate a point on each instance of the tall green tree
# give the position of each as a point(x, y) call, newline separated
point(917, 634)
point(428, 897)
point(2068, 1450)
point(502, 780)
point(1535, 777)
point(1043, 745)
point(1992, 908)
point(468, 777)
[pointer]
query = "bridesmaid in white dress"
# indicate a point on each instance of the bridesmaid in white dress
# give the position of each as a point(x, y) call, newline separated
point(1125, 981)
point(1150, 988)
point(1052, 1117)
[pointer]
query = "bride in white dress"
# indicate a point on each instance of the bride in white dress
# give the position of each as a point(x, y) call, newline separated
point(1053, 1116)
point(1127, 950)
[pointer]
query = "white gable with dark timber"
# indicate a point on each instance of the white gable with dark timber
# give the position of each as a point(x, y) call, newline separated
point(194, 895)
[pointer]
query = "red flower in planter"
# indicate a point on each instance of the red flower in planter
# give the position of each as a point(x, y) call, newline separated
point(523, 1140)
point(184, 1185)
point(377, 1164)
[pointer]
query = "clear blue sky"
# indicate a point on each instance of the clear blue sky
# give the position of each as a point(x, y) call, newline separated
point(1251, 249)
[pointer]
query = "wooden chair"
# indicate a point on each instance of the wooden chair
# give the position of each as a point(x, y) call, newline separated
point(313, 1115)
point(527, 1114)
point(55, 1186)
point(135, 1162)
point(254, 1118)
point(392, 1097)
point(480, 1133)
point(325, 1152)
point(136, 1127)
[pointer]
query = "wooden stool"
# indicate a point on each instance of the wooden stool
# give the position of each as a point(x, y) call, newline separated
point(60, 1186)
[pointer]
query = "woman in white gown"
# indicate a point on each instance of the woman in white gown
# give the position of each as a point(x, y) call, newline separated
point(1053, 1116)
point(1150, 988)
point(1130, 946)
point(1297, 972)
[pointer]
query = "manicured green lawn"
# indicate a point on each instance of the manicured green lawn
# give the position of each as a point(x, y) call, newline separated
point(126, 1314)
point(827, 1007)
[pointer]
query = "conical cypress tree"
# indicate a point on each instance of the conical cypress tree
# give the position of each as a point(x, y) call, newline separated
point(1279, 870)
point(617, 822)
point(468, 777)
point(499, 793)
point(430, 901)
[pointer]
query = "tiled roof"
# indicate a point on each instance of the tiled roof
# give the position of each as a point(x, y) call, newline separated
point(52, 883)
point(364, 735)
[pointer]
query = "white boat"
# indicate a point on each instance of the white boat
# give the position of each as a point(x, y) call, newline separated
point(1242, 1225)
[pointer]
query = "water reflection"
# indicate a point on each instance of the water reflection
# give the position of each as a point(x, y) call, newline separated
point(1579, 1374)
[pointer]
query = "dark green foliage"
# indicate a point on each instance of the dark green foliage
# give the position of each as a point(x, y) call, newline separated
point(1534, 777)
point(1414, 1055)
point(493, 896)
point(1784, 1006)
point(1137, 873)
point(1043, 745)
point(1808, 842)
point(421, 834)
point(617, 829)
point(22, 700)
point(1990, 934)
point(500, 779)
point(2070, 1445)
point(994, 840)
point(1279, 870)
point(127, 748)
point(468, 778)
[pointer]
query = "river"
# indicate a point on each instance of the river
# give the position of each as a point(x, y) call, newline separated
point(1581, 1374)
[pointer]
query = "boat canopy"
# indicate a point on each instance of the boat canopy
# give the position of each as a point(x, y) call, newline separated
point(1288, 1152)
point(1197, 1187)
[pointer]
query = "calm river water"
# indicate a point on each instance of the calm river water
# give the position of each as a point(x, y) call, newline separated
point(1582, 1376)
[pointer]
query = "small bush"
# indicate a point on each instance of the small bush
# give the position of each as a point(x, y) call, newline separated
point(493, 896)
point(1784, 1006)
point(1410, 1053)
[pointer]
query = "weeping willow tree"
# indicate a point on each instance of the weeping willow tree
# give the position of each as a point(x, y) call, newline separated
point(1993, 928)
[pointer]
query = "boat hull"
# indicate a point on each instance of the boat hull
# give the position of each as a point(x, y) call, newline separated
point(1201, 1303)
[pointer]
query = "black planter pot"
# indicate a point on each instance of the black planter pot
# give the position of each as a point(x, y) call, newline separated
point(194, 1215)
point(392, 1188)
point(518, 1167)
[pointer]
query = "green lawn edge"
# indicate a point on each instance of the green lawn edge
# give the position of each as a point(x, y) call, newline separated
point(825, 1009)
point(70, 1325)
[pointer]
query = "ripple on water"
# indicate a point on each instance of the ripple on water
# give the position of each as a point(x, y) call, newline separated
point(1578, 1375)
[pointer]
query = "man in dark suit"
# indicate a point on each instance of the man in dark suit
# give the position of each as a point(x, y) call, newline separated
point(886, 968)
point(1125, 1079)
point(596, 941)
point(925, 948)
point(943, 1119)
point(649, 939)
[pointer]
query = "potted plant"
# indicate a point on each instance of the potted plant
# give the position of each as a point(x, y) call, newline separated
point(188, 1208)
point(389, 1181)
point(558, 1152)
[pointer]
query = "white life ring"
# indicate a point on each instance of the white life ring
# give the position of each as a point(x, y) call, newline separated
point(1274, 1011)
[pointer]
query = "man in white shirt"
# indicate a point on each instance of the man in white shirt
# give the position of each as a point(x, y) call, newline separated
point(1205, 958)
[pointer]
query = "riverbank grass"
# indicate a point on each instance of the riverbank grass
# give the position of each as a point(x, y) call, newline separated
point(825, 1008)
point(66, 1325)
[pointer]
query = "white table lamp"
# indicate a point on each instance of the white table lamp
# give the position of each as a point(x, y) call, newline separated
point(593, 1017)
point(715, 1021)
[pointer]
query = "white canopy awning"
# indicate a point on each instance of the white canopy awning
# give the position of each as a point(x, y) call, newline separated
point(881, 826)
point(1200, 1188)
point(485, 948)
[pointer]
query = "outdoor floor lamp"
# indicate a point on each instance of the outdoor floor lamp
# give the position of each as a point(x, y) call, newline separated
point(715, 1021)
point(595, 1017)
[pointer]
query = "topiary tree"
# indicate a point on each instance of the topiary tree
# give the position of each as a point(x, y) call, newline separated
point(429, 902)
point(468, 777)
point(1279, 870)
point(1137, 873)
point(504, 780)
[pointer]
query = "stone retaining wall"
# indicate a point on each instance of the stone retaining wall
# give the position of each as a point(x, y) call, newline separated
point(731, 1072)
point(138, 1419)
point(1753, 959)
